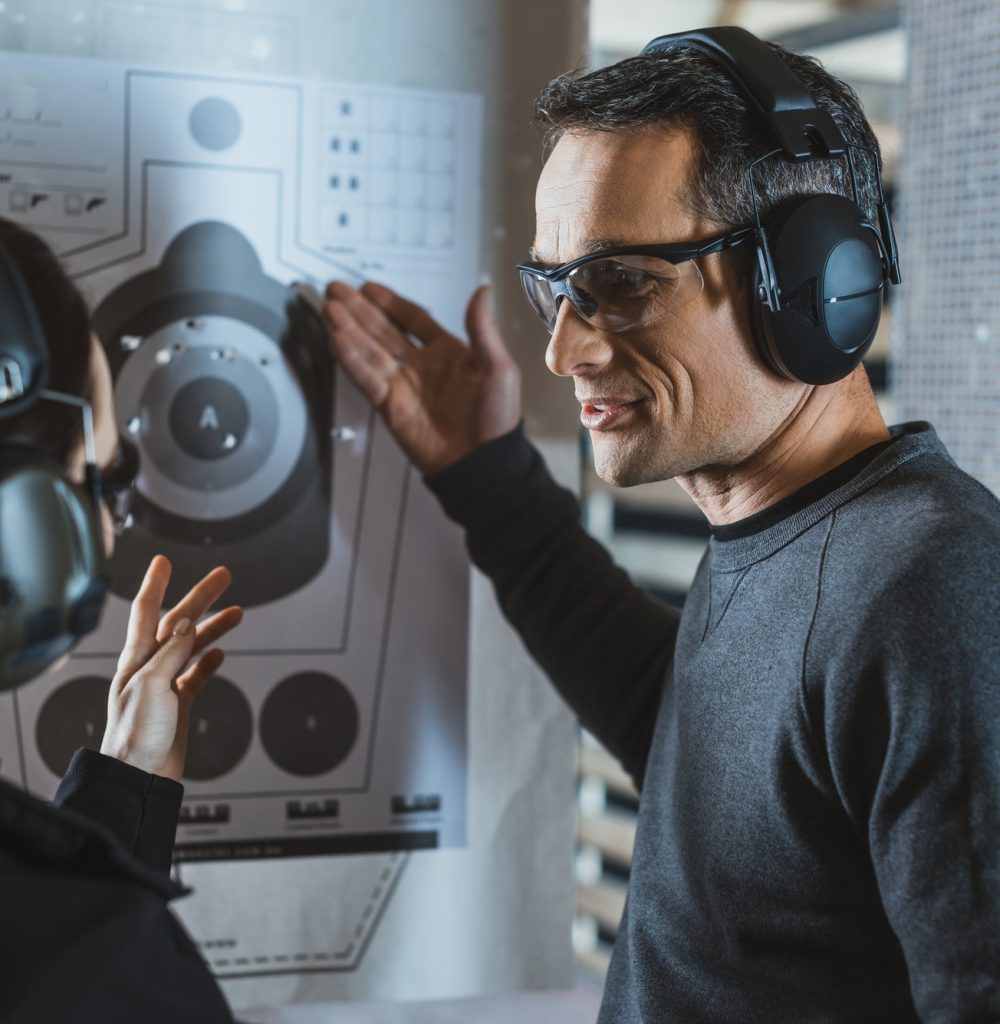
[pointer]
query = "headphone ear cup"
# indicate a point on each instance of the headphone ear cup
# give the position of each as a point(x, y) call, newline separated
point(52, 579)
point(831, 275)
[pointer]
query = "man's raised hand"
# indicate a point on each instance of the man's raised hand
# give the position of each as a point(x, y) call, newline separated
point(439, 397)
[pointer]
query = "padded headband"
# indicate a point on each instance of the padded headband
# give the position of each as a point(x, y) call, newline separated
point(802, 129)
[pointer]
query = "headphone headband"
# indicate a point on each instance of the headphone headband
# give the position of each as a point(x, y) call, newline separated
point(801, 128)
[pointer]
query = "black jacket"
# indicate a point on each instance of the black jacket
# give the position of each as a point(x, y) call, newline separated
point(86, 936)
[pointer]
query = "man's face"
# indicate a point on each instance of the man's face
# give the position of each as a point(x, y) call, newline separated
point(681, 393)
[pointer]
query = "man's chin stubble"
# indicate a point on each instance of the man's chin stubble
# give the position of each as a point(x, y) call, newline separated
point(626, 468)
point(641, 460)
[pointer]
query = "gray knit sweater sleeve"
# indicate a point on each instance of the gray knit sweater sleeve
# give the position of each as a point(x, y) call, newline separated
point(901, 687)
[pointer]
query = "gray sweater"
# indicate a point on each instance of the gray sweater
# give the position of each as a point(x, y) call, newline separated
point(817, 739)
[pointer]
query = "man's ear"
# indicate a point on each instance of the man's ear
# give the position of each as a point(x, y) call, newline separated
point(727, 276)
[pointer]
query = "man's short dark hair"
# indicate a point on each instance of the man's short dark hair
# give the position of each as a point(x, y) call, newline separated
point(682, 88)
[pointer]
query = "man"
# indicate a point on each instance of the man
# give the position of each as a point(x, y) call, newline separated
point(817, 737)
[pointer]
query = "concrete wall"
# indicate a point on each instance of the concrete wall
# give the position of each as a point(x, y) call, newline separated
point(946, 345)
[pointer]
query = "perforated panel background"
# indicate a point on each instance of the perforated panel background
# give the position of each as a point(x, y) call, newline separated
point(946, 341)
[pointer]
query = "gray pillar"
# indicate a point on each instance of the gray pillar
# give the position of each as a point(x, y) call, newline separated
point(946, 344)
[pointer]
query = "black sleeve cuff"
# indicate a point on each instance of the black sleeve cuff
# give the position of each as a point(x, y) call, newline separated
point(140, 809)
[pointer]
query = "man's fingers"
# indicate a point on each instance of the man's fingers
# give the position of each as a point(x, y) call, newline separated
point(144, 617)
point(485, 338)
point(212, 629)
point(370, 319)
point(408, 315)
point(192, 680)
point(196, 602)
point(367, 362)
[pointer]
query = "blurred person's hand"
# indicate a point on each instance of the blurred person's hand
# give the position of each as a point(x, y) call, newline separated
point(164, 664)
point(439, 397)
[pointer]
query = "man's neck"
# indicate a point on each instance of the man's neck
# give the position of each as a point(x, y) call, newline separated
point(829, 426)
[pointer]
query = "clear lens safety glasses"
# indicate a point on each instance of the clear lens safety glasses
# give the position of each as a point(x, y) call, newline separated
point(623, 287)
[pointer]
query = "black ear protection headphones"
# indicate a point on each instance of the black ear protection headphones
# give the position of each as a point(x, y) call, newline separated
point(52, 566)
point(822, 267)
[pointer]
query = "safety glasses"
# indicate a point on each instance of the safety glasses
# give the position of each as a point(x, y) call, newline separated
point(623, 287)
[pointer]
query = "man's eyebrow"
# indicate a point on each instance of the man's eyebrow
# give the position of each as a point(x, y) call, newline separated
point(589, 248)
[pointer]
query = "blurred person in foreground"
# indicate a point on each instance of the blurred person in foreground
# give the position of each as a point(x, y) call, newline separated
point(84, 882)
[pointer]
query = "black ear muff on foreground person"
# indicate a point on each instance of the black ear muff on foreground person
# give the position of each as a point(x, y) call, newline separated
point(52, 566)
point(822, 267)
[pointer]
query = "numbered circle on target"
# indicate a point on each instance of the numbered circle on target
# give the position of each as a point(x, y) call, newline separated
point(309, 723)
point(220, 730)
point(73, 716)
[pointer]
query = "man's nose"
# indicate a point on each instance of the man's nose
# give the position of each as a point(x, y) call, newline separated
point(575, 347)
